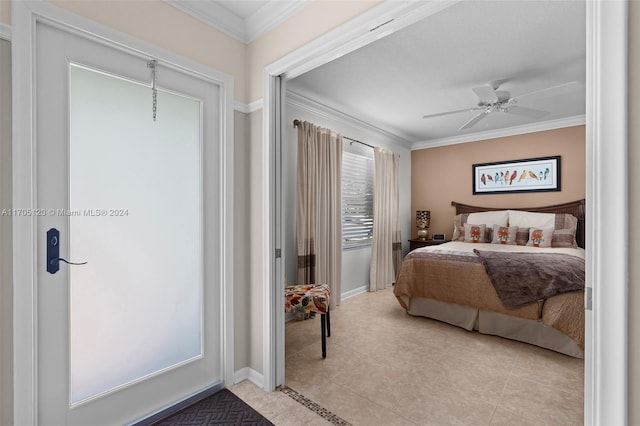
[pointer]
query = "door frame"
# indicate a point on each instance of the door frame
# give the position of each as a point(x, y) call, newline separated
point(25, 17)
point(605, 392)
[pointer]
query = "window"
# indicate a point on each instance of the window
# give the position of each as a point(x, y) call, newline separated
point(357, 198)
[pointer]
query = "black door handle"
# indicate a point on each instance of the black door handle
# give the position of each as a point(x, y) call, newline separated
point(53, 252)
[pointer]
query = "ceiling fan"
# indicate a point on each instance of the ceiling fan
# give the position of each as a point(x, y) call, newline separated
point(493, 100)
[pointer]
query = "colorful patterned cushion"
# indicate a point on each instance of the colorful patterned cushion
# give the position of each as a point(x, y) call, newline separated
point(306, 298)
point(458, 228)
point(540, 237)
point(474, 233)
point(504, 234)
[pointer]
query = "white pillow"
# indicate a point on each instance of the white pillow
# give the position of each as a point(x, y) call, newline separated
point(498, 217)
point(540, 237)
point(523, 219)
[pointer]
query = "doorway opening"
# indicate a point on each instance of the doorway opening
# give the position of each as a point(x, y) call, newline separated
point(291, 66)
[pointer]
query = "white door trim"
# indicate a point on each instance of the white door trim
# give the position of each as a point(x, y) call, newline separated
point(606, 326)
point(25, 15)
point(606, 399)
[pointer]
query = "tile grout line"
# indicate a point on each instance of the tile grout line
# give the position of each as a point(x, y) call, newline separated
point(315, 407)
point(506, 382)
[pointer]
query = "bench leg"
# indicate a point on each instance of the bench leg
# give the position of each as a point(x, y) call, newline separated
point(323, 323)
point(328, 323)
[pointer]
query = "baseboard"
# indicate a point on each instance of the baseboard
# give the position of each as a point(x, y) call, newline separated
point(354, 292)
point(248, 373)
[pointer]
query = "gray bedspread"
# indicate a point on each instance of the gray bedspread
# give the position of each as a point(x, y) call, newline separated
point(522, 278)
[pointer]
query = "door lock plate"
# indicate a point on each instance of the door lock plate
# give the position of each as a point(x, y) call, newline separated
point(53, 251)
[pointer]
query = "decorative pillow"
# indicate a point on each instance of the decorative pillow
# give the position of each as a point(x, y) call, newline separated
point(477, 219)
point(504, 234)
point(522, 236)
point(523, 219)
point(500, 217)
point(564, 234)
point(458, 227)
point(540, 237)
point(474, 233)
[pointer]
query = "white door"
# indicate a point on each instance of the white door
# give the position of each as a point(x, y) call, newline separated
point(138, 326)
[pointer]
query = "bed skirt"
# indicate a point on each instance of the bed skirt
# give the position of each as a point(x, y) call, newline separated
point(534, 332)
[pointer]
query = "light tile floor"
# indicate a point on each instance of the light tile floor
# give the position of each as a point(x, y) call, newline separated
point(385, 367)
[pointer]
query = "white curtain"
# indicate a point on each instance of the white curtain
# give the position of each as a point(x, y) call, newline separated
point(319, 208)
point(386, 250)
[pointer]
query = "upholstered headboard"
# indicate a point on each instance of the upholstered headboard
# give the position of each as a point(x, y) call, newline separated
point(575, 208)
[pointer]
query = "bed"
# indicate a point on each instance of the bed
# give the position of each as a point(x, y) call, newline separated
point(463, 283)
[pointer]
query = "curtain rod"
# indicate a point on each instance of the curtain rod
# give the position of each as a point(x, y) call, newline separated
point(296, 122)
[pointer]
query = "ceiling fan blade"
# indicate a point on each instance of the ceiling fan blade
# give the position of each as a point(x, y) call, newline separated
point(475, 119)
point(452, 112)
point(526, 112)
point(486, 94)
point(561, 89)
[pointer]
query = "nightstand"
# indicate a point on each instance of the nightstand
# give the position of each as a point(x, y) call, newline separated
point(415, 243)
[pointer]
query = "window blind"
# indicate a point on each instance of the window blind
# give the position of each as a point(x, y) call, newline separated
point(357, 200)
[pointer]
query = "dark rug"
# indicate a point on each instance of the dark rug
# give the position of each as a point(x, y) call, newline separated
point(221, 408)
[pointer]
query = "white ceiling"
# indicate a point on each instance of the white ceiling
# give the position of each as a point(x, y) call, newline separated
point(432, 66)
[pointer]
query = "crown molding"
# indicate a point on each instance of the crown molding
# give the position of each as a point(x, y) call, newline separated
point(213, 15)
point(269, 16)
point(248, 108)
point(5, 31)
point(246, 30)
point(500, 133)
point(328, 112)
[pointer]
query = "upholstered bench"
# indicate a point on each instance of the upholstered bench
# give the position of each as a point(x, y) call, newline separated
point(310, 298)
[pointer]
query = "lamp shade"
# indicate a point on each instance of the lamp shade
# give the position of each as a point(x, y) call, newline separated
point(423, 218)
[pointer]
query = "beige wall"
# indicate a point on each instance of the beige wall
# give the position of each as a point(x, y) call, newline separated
point(443, 174)
point(5, 11)
point(634, 212)
point(241, 209)
point(247, 287)
point(255, 309)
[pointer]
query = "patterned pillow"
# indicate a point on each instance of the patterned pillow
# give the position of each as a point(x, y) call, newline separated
point(540, 237)
point(564, 234)
point(474, 233)
point(458, 228)
point(504, 234)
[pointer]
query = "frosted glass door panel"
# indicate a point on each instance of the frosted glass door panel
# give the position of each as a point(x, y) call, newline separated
point(135, 215)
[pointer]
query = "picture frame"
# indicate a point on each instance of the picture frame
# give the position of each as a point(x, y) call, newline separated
point(540, 174)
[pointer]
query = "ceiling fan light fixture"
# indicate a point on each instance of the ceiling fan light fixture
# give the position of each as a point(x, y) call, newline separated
point(490, 99)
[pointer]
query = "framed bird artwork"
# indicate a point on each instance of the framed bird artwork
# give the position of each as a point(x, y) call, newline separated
point(527, 175)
